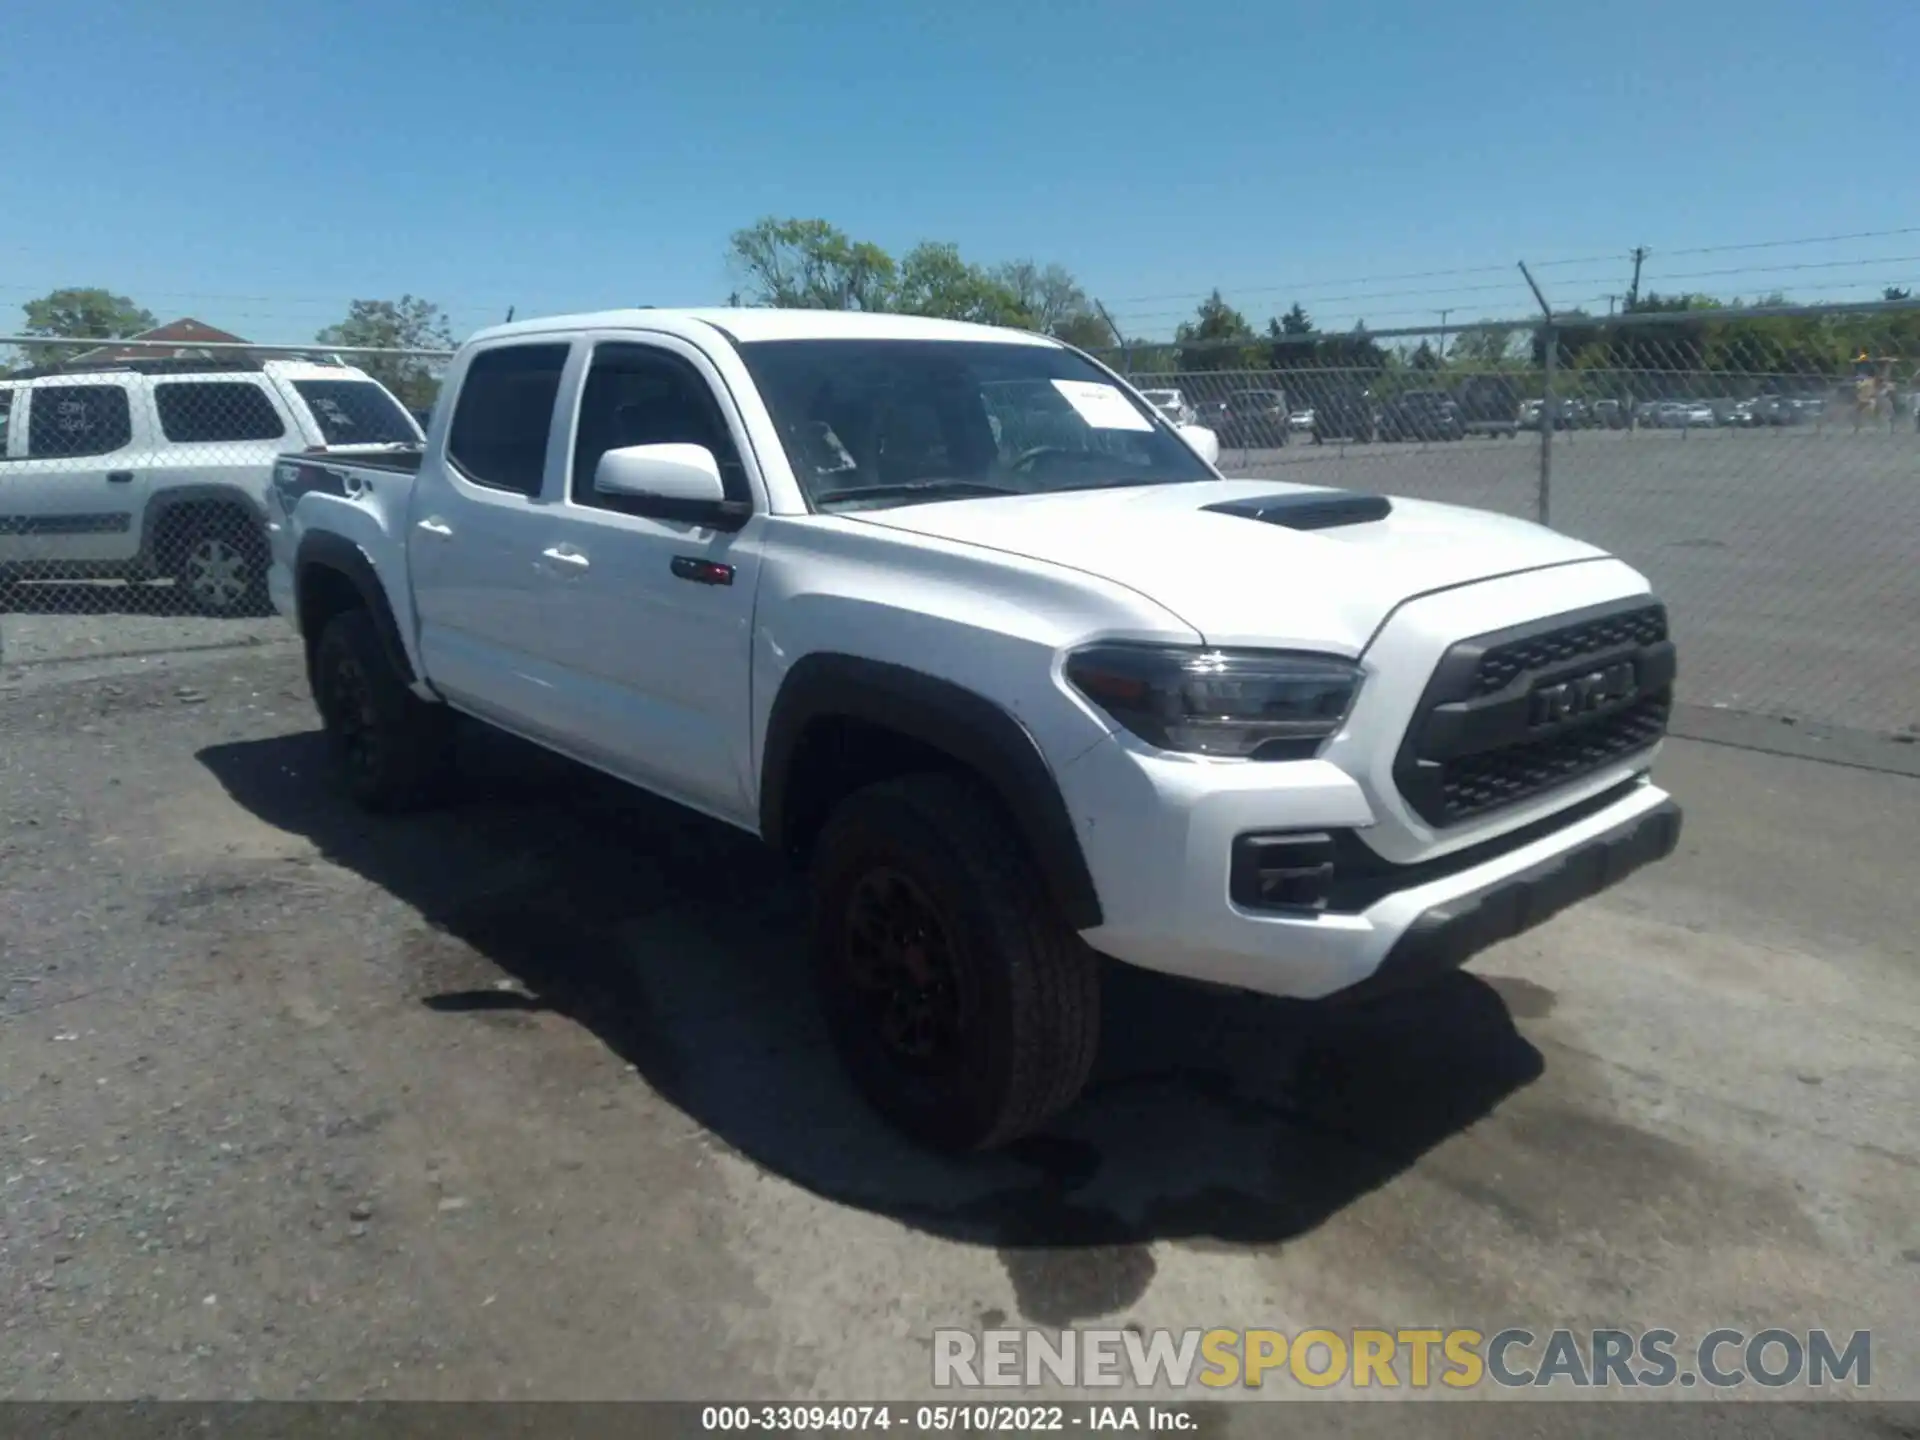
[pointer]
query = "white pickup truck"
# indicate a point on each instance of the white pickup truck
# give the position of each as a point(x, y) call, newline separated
point(958, 620)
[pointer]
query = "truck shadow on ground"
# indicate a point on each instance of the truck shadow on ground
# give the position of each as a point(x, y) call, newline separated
point(1214, 1119)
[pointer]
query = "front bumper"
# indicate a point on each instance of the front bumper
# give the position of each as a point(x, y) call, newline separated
point(1158, 836)
point(1449, 934)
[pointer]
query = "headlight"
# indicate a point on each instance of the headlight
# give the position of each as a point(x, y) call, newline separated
point(1250, 704)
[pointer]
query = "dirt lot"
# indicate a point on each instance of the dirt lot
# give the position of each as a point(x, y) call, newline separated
point(526, 1098)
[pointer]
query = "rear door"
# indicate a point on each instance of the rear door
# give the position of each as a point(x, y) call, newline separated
point(75, 480)
point(475, 537)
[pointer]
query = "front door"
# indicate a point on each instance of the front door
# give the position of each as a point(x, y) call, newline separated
point(73, 485)
point(653, 617)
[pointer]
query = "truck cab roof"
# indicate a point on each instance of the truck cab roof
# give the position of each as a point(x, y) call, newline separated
point(747, 325)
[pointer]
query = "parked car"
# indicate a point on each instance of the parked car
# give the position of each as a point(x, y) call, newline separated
point(1253, 420)
point(1743, 414)
point(1575, 413)
point(1345, 415)
point(158, 469)
point(1421, 415)
point(1300, 422)
point(1698, 415)
point(1172, 404)
point(1489, 404)
point(1609, 414)
point(1011, 706)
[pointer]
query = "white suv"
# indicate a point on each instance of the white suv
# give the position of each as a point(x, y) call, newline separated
point(159, 468)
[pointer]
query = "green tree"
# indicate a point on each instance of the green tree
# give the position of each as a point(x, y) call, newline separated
point(811, 265)
point(1483, 349)
point(80, 314)
point(1424, 357)
point(1087, 330)
point(408, 323)
point(1294, 322)
point(1205, 340)
point(1896, 292)
point(934, 280)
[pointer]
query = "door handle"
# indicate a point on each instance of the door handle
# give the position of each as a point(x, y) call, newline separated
point(437, 527)
point(566, 555)
point(119, 477)
point(701, 572)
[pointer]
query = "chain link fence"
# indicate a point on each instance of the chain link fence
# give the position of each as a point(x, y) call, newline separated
point(1761, 467)
point(133, 482)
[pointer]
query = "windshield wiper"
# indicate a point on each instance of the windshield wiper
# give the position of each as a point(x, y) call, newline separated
point(928, 489)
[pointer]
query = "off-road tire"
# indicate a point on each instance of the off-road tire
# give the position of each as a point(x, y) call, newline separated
point(394, 751)
point(1027, 986)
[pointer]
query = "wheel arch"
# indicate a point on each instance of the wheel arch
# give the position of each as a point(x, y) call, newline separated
point(331, 574)
point(892, 718)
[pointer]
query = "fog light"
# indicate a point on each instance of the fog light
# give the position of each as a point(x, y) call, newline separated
point(1284, 870)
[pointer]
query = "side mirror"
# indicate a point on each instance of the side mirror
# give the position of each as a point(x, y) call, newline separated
point(686, 475)
point(1203, 440)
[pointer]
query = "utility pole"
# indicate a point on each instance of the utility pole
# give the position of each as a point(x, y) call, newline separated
point(1443, 333)
point(1610, 300)
point(1633, 290)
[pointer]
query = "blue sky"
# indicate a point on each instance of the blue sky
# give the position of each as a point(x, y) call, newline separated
point(258, 164)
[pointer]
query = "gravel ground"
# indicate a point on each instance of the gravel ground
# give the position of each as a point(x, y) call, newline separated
point(527, 1099)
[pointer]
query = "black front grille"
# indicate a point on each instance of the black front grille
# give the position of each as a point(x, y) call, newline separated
point(1475, 784)
point(1646, 625)
point(1513, 714)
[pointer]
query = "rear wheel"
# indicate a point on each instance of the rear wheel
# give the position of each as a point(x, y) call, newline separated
point(965, 1011)
point(394, 750)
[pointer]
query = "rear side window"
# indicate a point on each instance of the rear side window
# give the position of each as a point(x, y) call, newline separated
point(6, 410)
point(192, 410)
point(356, 412)
point(504, 414)
point(65, 420)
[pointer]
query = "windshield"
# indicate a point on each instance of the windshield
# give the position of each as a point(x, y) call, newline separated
point(893, 422)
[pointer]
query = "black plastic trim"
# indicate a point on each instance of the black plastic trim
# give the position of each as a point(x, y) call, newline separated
point(1447, 936)
point(114, 522)
point(324, 550)
point(1362, 877)
point(1309, 510)
point(949, 718)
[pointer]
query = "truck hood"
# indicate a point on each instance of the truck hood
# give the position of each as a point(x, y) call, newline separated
point(1242, 580)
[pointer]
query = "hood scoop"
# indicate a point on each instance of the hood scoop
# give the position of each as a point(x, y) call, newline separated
point(1310, 510)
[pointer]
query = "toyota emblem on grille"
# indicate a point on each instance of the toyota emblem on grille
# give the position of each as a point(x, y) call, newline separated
point(1581, 695)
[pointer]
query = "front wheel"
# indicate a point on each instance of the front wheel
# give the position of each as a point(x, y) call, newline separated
point(964, 1009)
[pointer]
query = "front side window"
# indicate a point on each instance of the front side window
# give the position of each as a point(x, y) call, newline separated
point(504, 415)
point(195, 410)
point(637, 395)
point(73, 420)
point(890, 422)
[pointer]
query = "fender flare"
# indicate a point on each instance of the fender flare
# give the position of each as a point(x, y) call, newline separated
point(947, 717)
point(324, 550)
